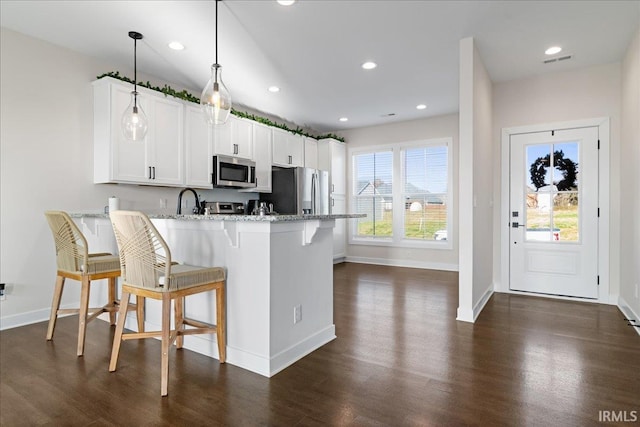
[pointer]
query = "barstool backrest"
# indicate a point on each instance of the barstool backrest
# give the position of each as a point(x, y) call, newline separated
point(72, 253)
point(145, 259)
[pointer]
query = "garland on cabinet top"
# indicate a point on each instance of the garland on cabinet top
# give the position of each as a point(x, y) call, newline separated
point(186, 96)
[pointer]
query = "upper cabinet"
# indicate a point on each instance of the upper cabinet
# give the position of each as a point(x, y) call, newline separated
point(288, 149)
point(310, 152)
point(158, 159)
point(198, 148)
point(336, 151)
point(262, 149)
point(234, 138)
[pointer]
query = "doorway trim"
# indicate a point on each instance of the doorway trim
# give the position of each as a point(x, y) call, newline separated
point(603, 124)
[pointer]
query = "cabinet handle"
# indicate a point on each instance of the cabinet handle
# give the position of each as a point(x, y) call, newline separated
point(333, 202)
point(149, 172)
point(290, 160)
point(333, 188)
point(235, 148)
point(154, 172)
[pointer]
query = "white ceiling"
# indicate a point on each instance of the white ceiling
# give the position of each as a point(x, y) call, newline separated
point(313, 50)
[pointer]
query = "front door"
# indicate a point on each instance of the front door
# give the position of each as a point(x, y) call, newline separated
point(554, 212)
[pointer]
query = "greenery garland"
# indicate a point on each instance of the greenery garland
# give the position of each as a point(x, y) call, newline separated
point(186, 96)
point(568, 167)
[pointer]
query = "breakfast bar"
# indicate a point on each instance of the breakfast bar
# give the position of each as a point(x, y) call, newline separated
point(279, 281)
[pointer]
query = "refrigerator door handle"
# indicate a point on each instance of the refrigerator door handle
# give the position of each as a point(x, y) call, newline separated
point(314, 184)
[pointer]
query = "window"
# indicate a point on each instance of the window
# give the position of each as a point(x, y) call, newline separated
point(373, 193)
point(425, 182)
point(405, 193)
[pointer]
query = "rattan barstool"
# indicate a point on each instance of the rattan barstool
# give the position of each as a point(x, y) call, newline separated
point(75, 262)
point(148, 271)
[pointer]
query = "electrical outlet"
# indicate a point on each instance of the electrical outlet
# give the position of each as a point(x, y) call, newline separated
point(636, 291)
point(163, 203)
point(297, 314)
point(2, 292)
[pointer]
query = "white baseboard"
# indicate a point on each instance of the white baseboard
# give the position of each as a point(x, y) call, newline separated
point(477, 309)
point(404, 263)
point(30, 317)
point(465, 315)
point(628, 312)
point(264, 365)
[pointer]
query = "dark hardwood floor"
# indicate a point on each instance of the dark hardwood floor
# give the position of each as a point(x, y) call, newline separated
point(400, 359)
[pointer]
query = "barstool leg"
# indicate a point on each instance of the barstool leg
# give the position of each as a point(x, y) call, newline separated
point(84, 309)
point(166, 331)
point(112, 301)
point(117, 338)
point(221, 327)
point(179, 321)
point(55, 306)
point(140, 309)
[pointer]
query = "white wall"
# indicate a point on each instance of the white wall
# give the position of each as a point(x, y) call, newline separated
point(47, 163)
point(587, 93)
point(630, 181)
point(396, 133)
point(476, 186)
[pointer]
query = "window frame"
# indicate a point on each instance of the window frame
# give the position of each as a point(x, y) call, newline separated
point(398, 238)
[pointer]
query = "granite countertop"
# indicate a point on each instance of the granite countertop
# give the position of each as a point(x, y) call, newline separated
point(245, 218)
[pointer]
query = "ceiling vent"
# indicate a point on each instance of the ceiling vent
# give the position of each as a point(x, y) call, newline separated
point(388, 115)
point(558, 59)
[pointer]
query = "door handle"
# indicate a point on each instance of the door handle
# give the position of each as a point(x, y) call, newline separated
point(149, 172)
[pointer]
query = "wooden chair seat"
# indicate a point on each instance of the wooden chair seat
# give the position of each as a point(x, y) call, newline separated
point(148, 272)
point(75, 262)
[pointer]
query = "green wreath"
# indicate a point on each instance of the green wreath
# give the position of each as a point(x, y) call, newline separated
point(568, 167)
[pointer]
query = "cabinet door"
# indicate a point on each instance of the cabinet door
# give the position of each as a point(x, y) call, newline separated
point(198, 148)
point(288, 149)
point(262, 141)
point(166, 134)
point(338, 167)
point(234, 138)
point(310, 153)
point(242, 138)
point(324, 155)
point(129, 158)
point(338, 206)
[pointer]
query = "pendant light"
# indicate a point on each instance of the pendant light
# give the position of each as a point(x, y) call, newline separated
point(134, 121)
point(215, 99)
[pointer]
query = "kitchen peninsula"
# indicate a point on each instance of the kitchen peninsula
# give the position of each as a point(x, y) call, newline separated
point(279, 281)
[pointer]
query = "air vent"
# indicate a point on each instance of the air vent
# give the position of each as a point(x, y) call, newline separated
point(558, 59)
point(388, 115)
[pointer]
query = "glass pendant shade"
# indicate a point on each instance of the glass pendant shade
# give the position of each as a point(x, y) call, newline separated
point(215, 99)
point(134, 121)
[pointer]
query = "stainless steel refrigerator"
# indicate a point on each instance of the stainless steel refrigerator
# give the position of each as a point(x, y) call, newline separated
point(299, 191)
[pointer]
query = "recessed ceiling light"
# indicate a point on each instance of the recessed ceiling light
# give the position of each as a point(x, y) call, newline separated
point(274, 89)
point(421, 106)
point(286, 2)
point(176, 46)
point(553, 50)
point(369, 65)
point(344, 119)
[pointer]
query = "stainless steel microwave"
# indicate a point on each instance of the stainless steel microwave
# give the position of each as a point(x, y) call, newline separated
point(233, 172)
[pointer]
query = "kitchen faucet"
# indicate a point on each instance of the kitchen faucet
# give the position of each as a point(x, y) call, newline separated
point(196, 208)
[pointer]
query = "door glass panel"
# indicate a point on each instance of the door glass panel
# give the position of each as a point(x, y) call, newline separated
point(566, 201)
point(552, 192)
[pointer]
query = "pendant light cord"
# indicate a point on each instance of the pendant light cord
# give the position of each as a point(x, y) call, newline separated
point(135, 67)
point(217, 31)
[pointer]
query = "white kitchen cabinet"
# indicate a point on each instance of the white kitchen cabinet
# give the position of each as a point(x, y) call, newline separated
point(262, 149)
point(234, 138)
point(198, 148)
point(158, 159)
point(324, 155)
point(339, 206)
point(288, 149)
point(338, 155)
point(310, 152)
